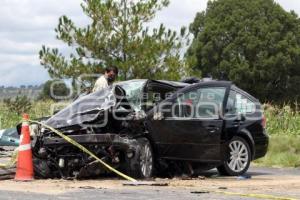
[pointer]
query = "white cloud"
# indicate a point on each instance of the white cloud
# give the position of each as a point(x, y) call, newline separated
point(21, 69)
point(13, 47)
point(28, 24)
point(29, 15)
point(15, 75)
point(290, 5)
point(25, 26)
point(179, 13)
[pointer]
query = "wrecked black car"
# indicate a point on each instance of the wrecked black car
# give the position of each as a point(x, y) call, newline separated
point(145, 128)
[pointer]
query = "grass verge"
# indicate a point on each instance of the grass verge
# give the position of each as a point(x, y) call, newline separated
point(284, 151)
point(10, 119)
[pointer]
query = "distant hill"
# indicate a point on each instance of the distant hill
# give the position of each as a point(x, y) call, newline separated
point(11, 92)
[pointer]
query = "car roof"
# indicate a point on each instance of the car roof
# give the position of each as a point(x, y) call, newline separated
point(120, 83)
point(174, 83)
point(213, 83)
point(171, 83)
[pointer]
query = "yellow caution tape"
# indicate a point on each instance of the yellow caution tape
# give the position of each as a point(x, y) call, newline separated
point(258, 196)
point(70, 140)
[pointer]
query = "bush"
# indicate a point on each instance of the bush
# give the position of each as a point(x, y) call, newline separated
point(19, 105)
point(282, 120)
point(283, 126)
point(10, 119)
point(55, 90)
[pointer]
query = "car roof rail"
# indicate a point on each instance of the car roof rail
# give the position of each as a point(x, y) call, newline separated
point(191, 80)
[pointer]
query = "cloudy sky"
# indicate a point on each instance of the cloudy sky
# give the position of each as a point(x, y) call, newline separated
point(25, 25)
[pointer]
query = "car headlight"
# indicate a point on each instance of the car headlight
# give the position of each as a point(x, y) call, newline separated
point(130, 154)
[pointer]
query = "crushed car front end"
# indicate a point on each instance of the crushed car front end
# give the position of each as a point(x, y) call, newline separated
point(103, 122)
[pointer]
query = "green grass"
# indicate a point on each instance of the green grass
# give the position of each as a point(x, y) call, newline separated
point(9, 119)
point(282, 120)
point(283, 126)
point(284, 151)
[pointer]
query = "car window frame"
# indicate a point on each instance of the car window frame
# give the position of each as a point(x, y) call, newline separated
point(246, 96)
point(227, 88)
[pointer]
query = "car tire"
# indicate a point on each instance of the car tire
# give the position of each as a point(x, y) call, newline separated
point(142, 164)
point(238, 158)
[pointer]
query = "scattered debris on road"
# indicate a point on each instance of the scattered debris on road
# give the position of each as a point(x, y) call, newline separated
point(7, 174)
point(244, 177)
point(145, 183)
point(91, 188)
point(200, 192)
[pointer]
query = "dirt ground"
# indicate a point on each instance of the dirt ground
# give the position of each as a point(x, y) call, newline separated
point(279, 183)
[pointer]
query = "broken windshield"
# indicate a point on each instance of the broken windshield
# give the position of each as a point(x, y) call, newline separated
point(134, 92)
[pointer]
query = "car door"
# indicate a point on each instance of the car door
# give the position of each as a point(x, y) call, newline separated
point(242, 116)
point(191, 127)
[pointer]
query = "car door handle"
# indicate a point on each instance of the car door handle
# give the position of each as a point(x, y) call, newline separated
point(237, 123)
point(212, 129)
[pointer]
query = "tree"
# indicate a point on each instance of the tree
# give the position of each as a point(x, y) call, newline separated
point(256, 44)
point(55, 90)
point(117, 36)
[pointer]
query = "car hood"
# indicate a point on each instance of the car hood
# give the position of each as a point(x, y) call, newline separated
point(9, 137)
point(86, 108)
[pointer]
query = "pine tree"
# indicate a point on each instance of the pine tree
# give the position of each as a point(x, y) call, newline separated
point(117, 35)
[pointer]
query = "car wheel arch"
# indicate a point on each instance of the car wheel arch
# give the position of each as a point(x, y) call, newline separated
point(152, 143)
point(245, 134)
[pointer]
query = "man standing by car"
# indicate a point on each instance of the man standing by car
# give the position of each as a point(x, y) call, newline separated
point(107, 79)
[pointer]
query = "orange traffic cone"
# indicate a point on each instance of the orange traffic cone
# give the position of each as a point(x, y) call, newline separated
point(24, 164)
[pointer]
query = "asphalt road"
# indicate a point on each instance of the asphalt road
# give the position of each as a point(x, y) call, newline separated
point(145, 194)
point(265, 183)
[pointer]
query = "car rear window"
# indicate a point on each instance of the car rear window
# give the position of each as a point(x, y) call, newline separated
point(238, 103)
